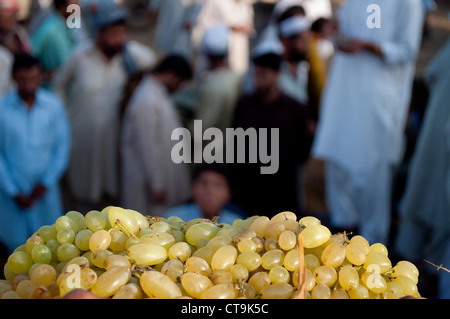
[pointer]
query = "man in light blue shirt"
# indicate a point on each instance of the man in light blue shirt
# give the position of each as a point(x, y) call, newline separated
point(34, 152)
point(211, 196)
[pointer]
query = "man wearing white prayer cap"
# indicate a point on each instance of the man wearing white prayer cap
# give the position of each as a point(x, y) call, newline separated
point(220, 86)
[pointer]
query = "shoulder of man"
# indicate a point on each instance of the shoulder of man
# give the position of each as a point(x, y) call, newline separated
point(143, 55)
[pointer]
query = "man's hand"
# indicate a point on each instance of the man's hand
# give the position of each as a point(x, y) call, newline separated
point(159, 197)
point(80, 294)
point(355, 46)
point(22, 201)
point(37, 193)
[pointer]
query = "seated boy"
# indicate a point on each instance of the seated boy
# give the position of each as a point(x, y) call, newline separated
point(211, 194)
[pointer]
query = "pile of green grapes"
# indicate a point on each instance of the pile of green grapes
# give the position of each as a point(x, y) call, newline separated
point(121, 254)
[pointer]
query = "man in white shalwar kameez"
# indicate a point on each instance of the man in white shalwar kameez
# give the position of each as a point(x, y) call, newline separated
point(424, 227)
point(150, 181)
point(238, 15)
point(364, 111)
point(6, 60)
point(176, 19)
point(92, 82)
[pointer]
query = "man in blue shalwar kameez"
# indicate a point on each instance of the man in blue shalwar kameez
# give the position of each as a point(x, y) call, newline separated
point(34, 150)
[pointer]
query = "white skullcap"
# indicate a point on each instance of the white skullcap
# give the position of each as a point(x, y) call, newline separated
point(293, 26)
point(268, 45)
point(215, 40)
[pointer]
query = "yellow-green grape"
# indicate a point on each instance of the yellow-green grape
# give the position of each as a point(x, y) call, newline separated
point(244, 223)
point(321, 291)
point(200, 231)
point(124, 220)
point(377, 262)
point(205, 253)
point(310, 280)
point(99, 256)
point(274, 230)
point(221, 291)
point(8, 273)
point(219, 241)
point(362, 241)
point(78, 218)
point(359, 292)
point(197, 265)
point(291, 260)
point(18, 279)
point(65, 236)
point(195, 284)
point(33, 241)
point(47, 232)
point(111, 281)
point(339, 294)
point(408, 285)
point(272, 258)
point(161, 227)
point(283, 216)
point(196, 221)
point(259, 244)
point(41, 254)
point(309, 221)
point(315, 236)
point(247, 291)
point(5, 286)
point(158, 285)
point(113, 261)
point(311, 261)
point(378, 248)
point(374, 282)
point(40, 292)
point(333, 255)
point(340, 238)
point(99, 240)
point(19, 261)
point(82, 239)
point(291, 225)
point(95, 221)
point(147, 254)
point(32, 268)
point(259, 280)
point(279, 275)
point(66, 252)
point(141, 220)
point(20, 248)
point(180, 250)
point(24, 288)
point(178, 235)
point(118, 240)
point(224, 257)
point(355, 253)
point(271, 243)
point(221, 276)
point(173, 269)
point(246, 245)
point(43, 275)
point(10, 295)
point(277, 291)
point(88, 278)
point(80, 261)
point(348, 277)
point(202, 244)
point(245, 234)
point(53, 244)
point(287, 240)
point(406, 268)
point(259, 225)
point(159, 238)
point(133, 240)
point(129, 291)
point(325, 275)
point(394, 291)
point(65, 222)
point(239, 272)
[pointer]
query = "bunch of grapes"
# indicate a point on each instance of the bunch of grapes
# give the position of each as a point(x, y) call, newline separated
point(121, 254)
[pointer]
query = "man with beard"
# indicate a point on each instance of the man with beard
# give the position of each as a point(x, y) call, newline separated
point(92, 82)
point(269, 107)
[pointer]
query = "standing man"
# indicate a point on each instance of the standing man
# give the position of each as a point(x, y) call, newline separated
point(238, 15)
point(151, 182)
point(12, 35)
point(269, 108)
point(92, 82)
point(34, 153)
point(364, 110)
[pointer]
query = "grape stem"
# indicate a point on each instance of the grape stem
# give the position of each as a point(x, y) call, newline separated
point(438, 267)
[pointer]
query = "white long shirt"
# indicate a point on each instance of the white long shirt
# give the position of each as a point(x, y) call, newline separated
point(146, 147)
point(6, 61)
point(93, 87)
point(366, 99)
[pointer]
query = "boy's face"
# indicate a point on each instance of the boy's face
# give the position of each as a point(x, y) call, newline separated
point(28, 80)
point(265, 78)
point(210, 192)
